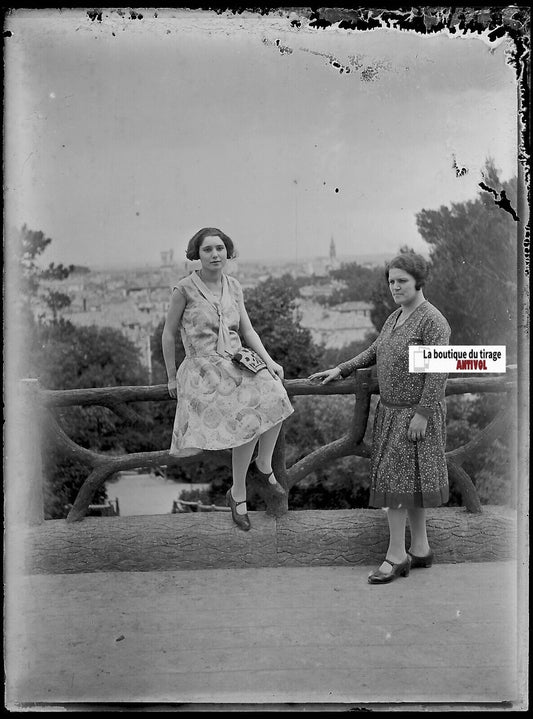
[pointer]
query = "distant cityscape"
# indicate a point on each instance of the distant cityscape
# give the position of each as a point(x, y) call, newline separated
point(136, 299)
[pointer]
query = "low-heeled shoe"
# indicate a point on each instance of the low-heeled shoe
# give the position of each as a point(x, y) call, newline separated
point(417, 562)
point(264, 477)
point(398, 570)
point(241, 520)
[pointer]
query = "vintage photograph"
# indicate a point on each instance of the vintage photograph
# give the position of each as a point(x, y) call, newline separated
point(266, 359)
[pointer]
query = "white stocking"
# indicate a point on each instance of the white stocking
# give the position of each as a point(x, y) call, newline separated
point(241, 457)
point(267, 442)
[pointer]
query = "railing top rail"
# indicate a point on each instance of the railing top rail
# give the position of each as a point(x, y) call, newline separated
point(145, 393)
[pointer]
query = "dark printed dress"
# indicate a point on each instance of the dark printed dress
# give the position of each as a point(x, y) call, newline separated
point(404, 473)
point(219, 404)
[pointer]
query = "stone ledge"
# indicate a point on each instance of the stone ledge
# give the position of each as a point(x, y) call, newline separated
point(208, 540)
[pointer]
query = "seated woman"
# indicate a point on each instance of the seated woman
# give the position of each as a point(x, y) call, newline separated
point(220, 404)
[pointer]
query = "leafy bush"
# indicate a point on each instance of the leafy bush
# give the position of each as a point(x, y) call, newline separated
point(489, 466)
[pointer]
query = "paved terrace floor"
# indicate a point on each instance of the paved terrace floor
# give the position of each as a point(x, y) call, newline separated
point(291, 638)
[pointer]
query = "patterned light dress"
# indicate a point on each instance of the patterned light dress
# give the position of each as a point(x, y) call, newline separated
point(404, 473)
point(219, 404)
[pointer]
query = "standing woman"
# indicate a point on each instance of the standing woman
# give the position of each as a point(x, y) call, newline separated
point(408, 470)
point(221, 405)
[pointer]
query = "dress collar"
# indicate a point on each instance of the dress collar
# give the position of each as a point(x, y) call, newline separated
point(206, 292)
point(224, 346)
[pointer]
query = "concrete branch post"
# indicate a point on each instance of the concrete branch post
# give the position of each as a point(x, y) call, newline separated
point(24, 480)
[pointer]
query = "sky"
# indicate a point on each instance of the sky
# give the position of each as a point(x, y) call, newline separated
point(124, 137)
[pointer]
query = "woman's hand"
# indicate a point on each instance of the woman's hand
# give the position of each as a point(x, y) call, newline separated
point(172, 388)
point(275, 369)
point(327, 374)
point(417, 428)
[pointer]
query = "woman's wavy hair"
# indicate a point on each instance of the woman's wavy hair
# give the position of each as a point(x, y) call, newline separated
point(193, 248)
point(412, 263)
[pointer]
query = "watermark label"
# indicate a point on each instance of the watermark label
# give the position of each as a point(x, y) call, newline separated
point(457, 358)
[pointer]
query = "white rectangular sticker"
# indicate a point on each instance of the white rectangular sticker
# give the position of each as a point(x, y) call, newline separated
point(457, 358)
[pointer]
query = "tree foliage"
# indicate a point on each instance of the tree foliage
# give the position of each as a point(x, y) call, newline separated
point(489, 466)
point(70, 357)
point(66, 356)
point(316, 422)
point(473, 268)
point(473, 248)
point(358, 283)
point(29, 245)
point(29, 304)
point(274, 314)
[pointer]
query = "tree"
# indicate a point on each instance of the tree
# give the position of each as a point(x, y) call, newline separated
point(358, 282)
point(473, 248)
point(27, 306)
point(68, 357)
point(29, 245)
point(488, 466)
point(316, 422)
point(63, 356)
point(274, 314)
point(56, 301)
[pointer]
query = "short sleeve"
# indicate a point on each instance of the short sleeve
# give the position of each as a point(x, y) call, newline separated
point(180, 289)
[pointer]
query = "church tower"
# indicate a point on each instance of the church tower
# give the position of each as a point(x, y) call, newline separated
point(332, 252)
point(333, 262)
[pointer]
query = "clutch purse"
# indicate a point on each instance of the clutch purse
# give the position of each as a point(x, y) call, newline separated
point(248, 359)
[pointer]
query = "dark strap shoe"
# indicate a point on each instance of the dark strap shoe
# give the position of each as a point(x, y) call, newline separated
point(264, 478)
point(241, 520)
point(417, 562)
point(398, 570)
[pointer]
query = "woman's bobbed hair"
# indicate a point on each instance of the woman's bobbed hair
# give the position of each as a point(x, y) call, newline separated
point(193, 248)
point(412, 263)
